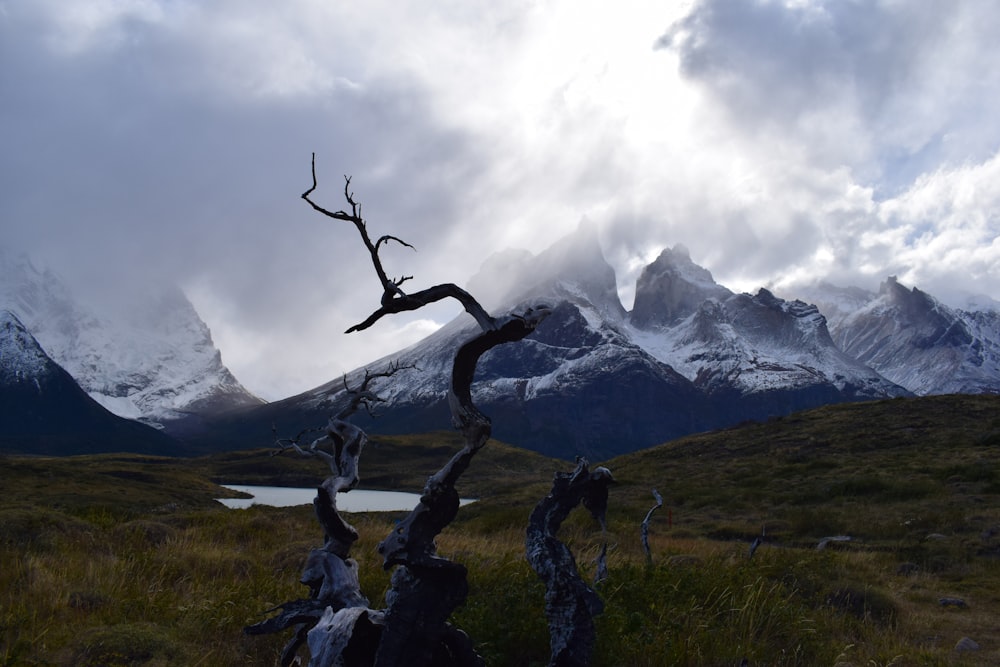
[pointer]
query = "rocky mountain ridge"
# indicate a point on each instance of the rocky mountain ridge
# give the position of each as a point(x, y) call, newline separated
point(597, 380)
point(914, 339)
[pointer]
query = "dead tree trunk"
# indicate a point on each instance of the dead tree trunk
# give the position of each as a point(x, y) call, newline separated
point(412, 631)
point(425, 587)
point(644, 532)
point(570, 605)
point(330, 573)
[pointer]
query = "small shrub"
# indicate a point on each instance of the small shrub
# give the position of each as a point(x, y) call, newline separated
point(504, 613)
point(144, 532)
point(864, 604)
point(38, 528)
point(123, 645)
point(857, 487)
point(87, 600)
point(810, 522)
point(976, 471)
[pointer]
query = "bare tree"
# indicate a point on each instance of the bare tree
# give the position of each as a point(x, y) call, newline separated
point(412, 630)
point(330, 573)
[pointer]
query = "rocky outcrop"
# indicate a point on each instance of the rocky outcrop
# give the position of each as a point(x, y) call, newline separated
point(918, 342)
point(671, 289)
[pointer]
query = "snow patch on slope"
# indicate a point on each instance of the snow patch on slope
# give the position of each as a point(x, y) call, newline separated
point(21, 358)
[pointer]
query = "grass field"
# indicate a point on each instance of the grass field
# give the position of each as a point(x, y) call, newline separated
point(128, 560)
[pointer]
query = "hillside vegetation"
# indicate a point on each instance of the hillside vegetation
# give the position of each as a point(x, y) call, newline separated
point(128, 560)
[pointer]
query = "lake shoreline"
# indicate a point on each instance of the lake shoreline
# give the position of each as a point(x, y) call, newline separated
point(356, 500)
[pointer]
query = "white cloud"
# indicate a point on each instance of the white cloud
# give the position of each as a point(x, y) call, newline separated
point(779, 141)
point(947, 229)
point(78, 27)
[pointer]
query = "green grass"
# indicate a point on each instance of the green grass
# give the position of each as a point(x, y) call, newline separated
point(128, 560)
point(395, 463)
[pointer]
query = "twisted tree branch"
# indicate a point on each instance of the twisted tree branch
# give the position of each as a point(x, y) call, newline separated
point(426, 588)
point(394, 300)
point(330, 573)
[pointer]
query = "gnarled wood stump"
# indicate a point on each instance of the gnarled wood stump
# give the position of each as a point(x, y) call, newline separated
point(570, 605)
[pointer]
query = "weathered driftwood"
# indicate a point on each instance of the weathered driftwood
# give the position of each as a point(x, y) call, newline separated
point(330, 574)
point(757, 542)
point(833, 538)
point(601, 573)
point(645, 525)
point(346, 637)
point(570, 605)
point(425, 587)
point(412, 630)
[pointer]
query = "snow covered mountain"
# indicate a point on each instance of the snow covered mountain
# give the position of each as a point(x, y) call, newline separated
point(44, 411)
point(751, 346)
point(149, 358)
point(596, 380)
point(915, 340)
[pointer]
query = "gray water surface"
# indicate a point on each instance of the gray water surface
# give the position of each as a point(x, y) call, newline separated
point(358, 500)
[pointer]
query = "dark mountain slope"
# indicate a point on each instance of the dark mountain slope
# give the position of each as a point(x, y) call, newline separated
point(44, 411)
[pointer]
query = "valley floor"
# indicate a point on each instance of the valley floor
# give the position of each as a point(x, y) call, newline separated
point(128, 560)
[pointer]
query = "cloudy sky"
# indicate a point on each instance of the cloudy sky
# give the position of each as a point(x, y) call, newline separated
point(780, 141)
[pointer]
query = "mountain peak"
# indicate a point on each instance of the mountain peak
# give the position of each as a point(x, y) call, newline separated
point(913, 304)
point(702, 358)
point(834, 302)
point(679, 251)
point(918, 342)
point(672, 288)
point(572, 269)
point(21, 357)
point(575, 268)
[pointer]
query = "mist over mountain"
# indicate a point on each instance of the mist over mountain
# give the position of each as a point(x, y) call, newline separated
point(44, 411)
point(148, 356)
point(596, 379)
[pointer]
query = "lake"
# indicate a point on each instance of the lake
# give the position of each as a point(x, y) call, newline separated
point(358, 500)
